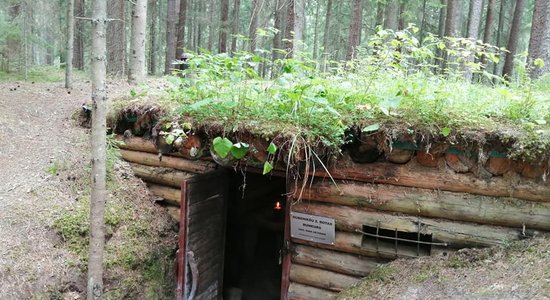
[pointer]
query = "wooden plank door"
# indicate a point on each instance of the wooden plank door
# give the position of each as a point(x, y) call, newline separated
point(202, 236)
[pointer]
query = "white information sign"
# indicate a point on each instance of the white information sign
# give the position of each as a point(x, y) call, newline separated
point(312, 228)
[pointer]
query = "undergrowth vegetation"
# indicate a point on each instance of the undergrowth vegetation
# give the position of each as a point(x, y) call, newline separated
point(400, 85)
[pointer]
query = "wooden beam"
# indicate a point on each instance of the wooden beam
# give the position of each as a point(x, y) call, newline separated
point(164, 176)
point(171, 195)
point(320, 278)
point(340, 262)
point(429, 203)
point(455, 234)
point(414, 175)
point(149, 159)
point(297, 291)
point(352, 243)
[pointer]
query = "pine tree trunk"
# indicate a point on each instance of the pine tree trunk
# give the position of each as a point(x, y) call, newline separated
point(299, 25)
point(210, 13)
point(476, 8)
point(513, 39)
point(224, 26)
point(180, 44)
point(500, 31)
point(540, 38)
point(254, 12)
point(278, 23)
point(488, 31)
point(391, 15)
point(78, 58)
point(452, 23)
point(116, 38)
point(326, 33)
point(290, 19)
point(99, 129)
point(316, 32)
point(402, 7)
point(423, 22)
point(379, 14)
point(153, 39)
point(70, 41)
point(354, 28)
point(235, 24)
point(171, 19)
point(137, 73)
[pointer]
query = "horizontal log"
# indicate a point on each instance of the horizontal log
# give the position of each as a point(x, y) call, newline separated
point(170, 195)
point(429, 203)
point(340, 262)
point(414, 175)
point(352, 243)
point(297, 291)
point(320, 278)
point(163, 176)
point(174, 212)
point(149, 159)
point(455, 234)
point(137, 144)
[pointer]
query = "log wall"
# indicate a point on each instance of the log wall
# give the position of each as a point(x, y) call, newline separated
point(436, 195)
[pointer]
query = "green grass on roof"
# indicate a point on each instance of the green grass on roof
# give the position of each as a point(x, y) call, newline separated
point(385, 89)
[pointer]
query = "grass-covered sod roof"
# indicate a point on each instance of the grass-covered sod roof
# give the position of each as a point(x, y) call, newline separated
point(395, 94)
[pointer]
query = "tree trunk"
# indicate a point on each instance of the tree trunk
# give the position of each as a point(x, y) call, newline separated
point(379, 14)
point(402, 7)
point(224, 26)
point(70, 41)
point(99, 156)
point(278, 23)
point(171, 19)
point(255, 10)
point(235, 24)
point(78, 58)
point(476, 8)
point(500, 31)
point(316, 33)
point(488, 30)
point(299, 25)
point(354, 28)
point(391, 15)
point(513, 39)
point(150, 159)
point(153, 39)
point(180, 44)
point(423, 22)
point(210, 13)
point(452, 23)
point(540, 38)
point(326, 33)
point(290, 19)
point(116, 38)
point(139, 24)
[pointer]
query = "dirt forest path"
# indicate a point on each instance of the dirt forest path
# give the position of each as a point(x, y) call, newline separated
point(37, 136)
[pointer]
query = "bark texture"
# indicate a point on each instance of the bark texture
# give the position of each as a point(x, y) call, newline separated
point(355, 28)
point(139, 23)
point(171, 20)
point(224, 26)
point(540, 38)
point(180, 44)
point(70, 38)
point(391, 15)
point(78, 58)
point(116, 38)
point(513, 39)
point(99, 156)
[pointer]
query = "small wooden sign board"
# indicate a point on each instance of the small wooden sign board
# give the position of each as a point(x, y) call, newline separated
point(312, 228)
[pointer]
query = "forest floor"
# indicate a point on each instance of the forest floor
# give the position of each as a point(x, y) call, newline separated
point(44, 189)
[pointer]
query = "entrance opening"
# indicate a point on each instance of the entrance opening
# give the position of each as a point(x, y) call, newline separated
point(254, 237)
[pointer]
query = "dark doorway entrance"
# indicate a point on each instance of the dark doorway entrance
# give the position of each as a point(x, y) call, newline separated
point(254, 236)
